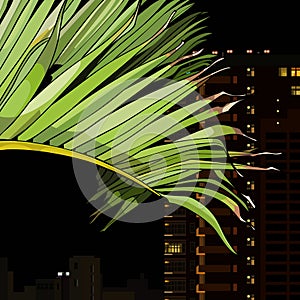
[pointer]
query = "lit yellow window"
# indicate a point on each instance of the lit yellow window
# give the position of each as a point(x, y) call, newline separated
point(295, 72)
point(295, 90)
point(282, 72)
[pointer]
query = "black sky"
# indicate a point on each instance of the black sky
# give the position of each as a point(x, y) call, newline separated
point(256, 25)
point(44, 217)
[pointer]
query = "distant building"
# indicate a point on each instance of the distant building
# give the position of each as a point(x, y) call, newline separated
point(136, 289)
point(85, 278)
point(47, 289)
point(3, 278)
point(28, 293)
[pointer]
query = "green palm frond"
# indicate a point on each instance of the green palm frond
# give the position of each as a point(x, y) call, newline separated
point(99, 82)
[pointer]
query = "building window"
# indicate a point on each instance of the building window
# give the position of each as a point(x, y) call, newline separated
point(250, 72)
point(250, 128)
point(193, 227)
point(76, 282)
point(175, 285)
point(250, 110)
point(251, 242)
point(250, 145)
point(179, 212)
point(192, 285)
point(251, 185)
point(295, 72)
point(192, 247)
point(175, 247)
point(282, 72)
point(250, 279)
point(192, 266)
point(250, 223)
point(175, 228)
point(175, 266)
point(92, 268)
point(295, 90)
point(76, 266)
point(251, 297)
point(250, 261)
point(250, 90)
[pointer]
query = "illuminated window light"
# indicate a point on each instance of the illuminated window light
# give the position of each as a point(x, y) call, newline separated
point(67, 273)
point(277, 123)
point(59, 274)
point(277, 100)
point(267, 51)
point(277, 110)
point(229, 51)
point(214, 52)
point(249, 51)
point(282, 71)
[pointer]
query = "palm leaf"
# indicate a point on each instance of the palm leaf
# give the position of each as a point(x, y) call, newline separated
point(118, 74)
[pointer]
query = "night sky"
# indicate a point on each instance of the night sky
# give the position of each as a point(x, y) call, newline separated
point(44, 217)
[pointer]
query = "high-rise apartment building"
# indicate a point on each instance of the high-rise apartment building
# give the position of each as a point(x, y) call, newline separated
point(267, 264)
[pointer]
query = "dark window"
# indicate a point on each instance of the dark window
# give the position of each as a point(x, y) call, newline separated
point(295, 155)
point(175, 285)
point(76, 266)
point(275, 186)
point(175, 228)
point(295, 206)
point(276, 206)
point(275, 268)
point(294, 217)
point(295, 176)
point(276, 145)
point(295, 186)
point(276, 257)
point(295, 227)
point(275, 227)
point(276, 196)
point(192, 285)
point(277, 175)
point(294, 166)
point(295, 135)
point(294, 268)
point(275, 288)
point(276, 237)
point(294, 278)
point(276, 247)
point(276, 135)
point(192, 228)
point(295, 196)
point(295, 258)
point(276, 217)
point(295, 288)
point(275, 297)
point(276, 278)
point(176, 266)
point(192, 247)
point(295, 145)
point(192, 266)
